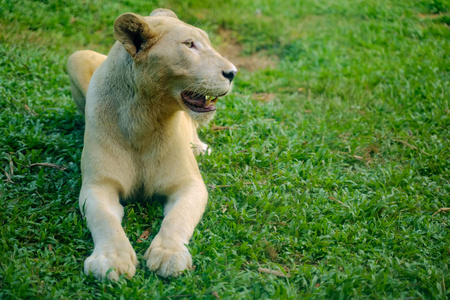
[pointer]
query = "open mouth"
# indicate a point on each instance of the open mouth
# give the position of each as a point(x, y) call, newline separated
point(198, 102)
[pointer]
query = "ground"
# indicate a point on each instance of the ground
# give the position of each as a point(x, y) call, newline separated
point(329, 177)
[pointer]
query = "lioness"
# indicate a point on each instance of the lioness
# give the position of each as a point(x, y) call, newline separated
point(142, 106)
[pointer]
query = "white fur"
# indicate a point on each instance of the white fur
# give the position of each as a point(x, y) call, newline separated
point(141, 137)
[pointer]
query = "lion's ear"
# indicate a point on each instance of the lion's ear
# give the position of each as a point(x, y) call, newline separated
point(133, 32)
point(163, 12)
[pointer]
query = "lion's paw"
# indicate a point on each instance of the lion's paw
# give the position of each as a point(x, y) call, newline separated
point(167, 258)
point(201, 149)
point(119, 261)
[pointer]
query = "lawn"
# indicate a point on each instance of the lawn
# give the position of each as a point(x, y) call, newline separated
point(330, 163)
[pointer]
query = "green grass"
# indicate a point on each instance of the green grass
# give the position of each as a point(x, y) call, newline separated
point(336, 181)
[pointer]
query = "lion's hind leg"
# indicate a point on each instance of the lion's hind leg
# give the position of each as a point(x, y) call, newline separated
point(198, 147)
point(80, 66)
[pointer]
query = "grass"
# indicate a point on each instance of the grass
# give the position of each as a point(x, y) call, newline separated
point(336, 181)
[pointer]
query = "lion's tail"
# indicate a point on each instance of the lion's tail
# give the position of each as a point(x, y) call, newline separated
point(80, 66)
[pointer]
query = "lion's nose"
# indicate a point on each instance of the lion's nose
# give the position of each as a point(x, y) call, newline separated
point(229, 74)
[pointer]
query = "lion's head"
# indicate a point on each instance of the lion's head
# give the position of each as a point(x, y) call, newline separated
point(176, 62)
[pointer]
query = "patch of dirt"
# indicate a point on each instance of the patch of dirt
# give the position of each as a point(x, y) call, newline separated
point(232, 50)
point(265, 97)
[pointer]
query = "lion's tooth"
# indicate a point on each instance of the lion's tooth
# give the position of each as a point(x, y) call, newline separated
point(208, 100)
point(214, 100)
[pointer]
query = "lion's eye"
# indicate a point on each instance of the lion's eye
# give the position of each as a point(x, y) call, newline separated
point(189, 43)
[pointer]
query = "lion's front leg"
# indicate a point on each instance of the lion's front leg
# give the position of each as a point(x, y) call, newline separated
point(112, 249)
point(167, 254)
